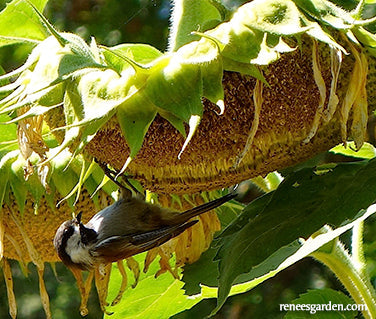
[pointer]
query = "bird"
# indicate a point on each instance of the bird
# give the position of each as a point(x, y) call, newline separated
point(126, 228)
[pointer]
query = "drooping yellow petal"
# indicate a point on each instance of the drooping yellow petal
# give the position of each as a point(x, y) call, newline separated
point(102, 278)
point(360, 107)
point(43, 294)
point(353, 93)
point(150, 257)
point(319, 80)
point(257, 102)
point(84, 288)
point(37, 261)
point(2, 234)
point(135, 268)
point(335, 66)
point(123, 285)
point(9, 284)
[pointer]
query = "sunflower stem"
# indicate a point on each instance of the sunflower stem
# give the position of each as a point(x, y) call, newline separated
point(334, 256)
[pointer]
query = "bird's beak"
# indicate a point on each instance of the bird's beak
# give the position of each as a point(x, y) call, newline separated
point(78, 218)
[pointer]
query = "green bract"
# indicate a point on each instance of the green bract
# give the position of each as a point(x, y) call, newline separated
point(65, 175)
point(63, 180)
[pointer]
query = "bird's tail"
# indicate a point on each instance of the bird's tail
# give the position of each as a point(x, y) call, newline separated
point(188, 214)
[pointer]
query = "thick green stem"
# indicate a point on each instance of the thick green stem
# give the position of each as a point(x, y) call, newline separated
point(340, 262)
point(357, 252)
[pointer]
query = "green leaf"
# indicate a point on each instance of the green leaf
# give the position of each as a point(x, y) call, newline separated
point(318, 304)
point(188, 16)
point(175, 121)
point(206, 54)
point(212, 83)
point(226, 212)
point(135, 116)
point(17, 182)
point(153, 297)
point(73, 112)
point(326, 11)
point(71, 63)
point(253, 33)
point(5, 169)
point(74, 42)
point(367, 151)
point(8, 132)
point(303, 203)
point(201, 276)
point(244, 68)
point(31, 86)
point(273, 16)
point(49, 64)
point(140, 53)
point(241, 43)
point(89, 102)
point(19, 23)
point(200, 52)
point(244, 44)
point(64, 179)
point(64, 176)
point(176, 88)
point(101, 91)
point(15, 163)
point(367, 38)
point(202, 272)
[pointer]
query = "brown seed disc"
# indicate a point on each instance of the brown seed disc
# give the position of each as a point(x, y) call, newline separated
point(289, 105)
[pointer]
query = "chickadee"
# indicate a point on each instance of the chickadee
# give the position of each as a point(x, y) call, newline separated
point(126, 228)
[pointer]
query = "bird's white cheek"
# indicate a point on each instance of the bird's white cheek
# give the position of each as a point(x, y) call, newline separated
point(78, 252)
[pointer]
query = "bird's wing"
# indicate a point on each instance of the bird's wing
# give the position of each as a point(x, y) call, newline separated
point(119, 247)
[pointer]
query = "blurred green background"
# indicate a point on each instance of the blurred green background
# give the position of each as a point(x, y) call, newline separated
point(146, 21)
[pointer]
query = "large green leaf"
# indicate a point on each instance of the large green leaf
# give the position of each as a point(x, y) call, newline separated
point(264, 239)
point(202, 277)
point(153, 297)
point(19, 23)
point(367, 151)
point(303, 203)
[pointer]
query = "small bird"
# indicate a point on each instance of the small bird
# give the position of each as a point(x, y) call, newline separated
point(126, 228)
